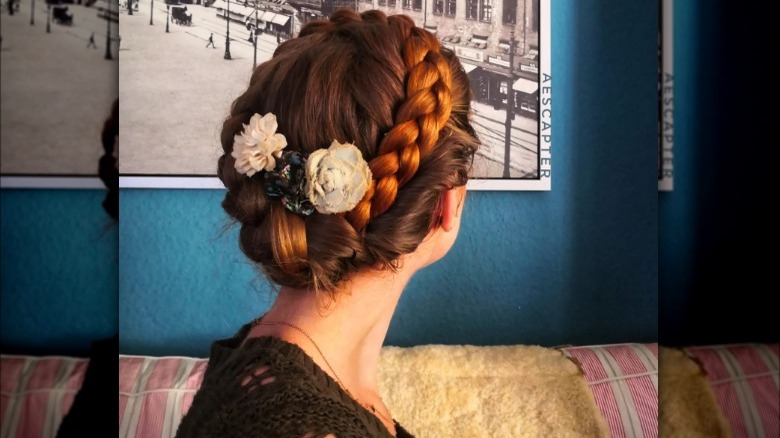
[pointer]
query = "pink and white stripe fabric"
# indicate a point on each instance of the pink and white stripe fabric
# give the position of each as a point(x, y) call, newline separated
point(624, 382)
point(746, 381)
point(36, 393)
point(155, 393)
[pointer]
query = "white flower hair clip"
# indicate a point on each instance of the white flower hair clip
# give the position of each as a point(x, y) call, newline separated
point(258, 146)
point(330, 181)
point(337, 178)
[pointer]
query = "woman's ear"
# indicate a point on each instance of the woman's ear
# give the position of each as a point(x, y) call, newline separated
point(452, 201)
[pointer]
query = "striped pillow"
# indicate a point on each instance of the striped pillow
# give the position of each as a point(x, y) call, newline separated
point(158, 390)
point(624, 382)
point(745, 379)
point(36, 393)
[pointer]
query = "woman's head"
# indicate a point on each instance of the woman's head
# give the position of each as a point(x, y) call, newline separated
point(384, 85)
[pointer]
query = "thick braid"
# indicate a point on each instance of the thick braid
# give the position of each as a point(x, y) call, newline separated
point(418, 122)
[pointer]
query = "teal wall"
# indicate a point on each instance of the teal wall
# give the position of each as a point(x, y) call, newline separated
point(58, 288)
point(575, 265)
point(578, 264)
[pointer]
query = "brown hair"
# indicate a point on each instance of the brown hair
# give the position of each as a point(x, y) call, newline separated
point(389, 88)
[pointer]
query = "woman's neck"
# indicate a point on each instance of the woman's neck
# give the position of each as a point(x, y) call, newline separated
point(349, 334)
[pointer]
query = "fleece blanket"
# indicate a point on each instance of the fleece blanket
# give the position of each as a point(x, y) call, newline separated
point(434, 391)
point(688, 408)
point(488, 391)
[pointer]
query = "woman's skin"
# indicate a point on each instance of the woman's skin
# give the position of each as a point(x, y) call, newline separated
point(351, 332)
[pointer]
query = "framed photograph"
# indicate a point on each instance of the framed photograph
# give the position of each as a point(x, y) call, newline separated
point(58, 70)
point(183, 64)
point(666, 96)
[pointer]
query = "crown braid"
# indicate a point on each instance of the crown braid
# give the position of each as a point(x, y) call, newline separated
point(418, 121)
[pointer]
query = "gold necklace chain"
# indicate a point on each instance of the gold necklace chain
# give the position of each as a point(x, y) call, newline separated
point(366, 405)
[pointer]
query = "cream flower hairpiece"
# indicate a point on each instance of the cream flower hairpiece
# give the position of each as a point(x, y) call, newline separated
point(330, 181)
point(258, 146)
point(337, 178)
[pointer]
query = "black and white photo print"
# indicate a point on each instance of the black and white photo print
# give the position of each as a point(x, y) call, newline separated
point(58, 84)
point(666, 96)
point(184, 61)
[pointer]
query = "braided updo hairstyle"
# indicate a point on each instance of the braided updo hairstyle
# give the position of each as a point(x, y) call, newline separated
point(388, 87)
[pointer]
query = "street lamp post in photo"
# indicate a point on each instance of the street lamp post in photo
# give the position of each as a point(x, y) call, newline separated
point(510, 104)
point(32, 14)
point(167, 17)
point(108, 32)
point(254, 30)
point(151, 14)
point(227, 36)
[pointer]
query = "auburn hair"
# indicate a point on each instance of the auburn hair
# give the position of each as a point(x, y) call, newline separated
point(388, 87)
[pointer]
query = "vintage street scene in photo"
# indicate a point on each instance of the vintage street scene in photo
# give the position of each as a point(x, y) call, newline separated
point(184, 63)
point(58, 81)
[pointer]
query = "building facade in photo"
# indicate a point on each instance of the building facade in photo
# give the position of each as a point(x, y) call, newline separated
point(265, 16)
point(486, 35)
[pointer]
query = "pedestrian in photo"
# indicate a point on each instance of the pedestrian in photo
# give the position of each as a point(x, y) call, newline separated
point(92, 41)
point(278, 38)
point(251, 39)
point(211, 41)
